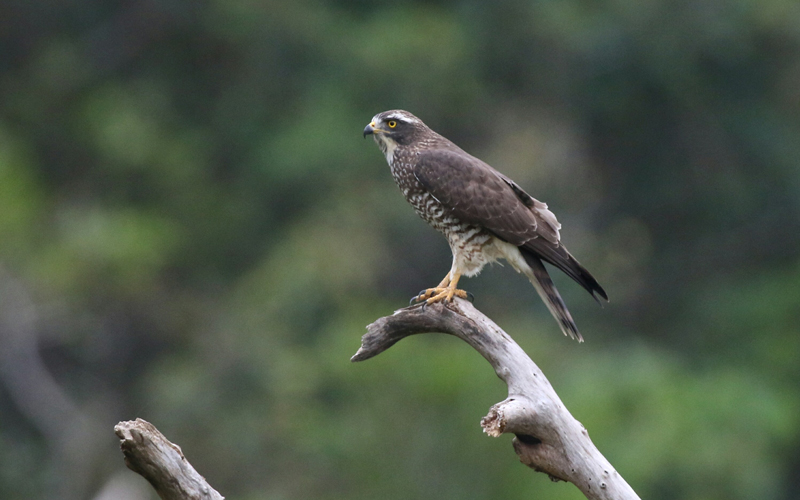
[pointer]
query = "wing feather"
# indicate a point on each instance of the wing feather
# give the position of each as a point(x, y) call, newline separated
point(475, 193)
point(478, 194)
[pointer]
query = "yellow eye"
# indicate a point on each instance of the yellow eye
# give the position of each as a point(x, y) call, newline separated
point(391, 123)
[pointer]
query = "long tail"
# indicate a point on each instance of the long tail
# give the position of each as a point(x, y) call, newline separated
point(558, 256)
point(547, 291)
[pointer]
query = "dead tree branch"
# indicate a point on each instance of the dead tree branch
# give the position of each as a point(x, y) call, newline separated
point(148, 453)
point(548, 438)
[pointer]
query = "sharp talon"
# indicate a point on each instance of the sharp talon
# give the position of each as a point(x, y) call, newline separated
point(470, 297)
point(439, 294)
point(424, 303)
point(417, 298)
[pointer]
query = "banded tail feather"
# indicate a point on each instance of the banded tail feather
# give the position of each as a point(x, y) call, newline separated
point(547, 291)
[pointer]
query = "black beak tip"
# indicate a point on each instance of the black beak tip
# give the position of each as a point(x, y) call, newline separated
point(367, 131)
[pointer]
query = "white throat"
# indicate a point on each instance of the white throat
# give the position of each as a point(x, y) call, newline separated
point(387, 146)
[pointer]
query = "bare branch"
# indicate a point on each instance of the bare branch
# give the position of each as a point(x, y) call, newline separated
point(548, 438)
point(148, 453)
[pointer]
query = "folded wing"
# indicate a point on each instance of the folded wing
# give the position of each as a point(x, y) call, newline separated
point(476, 193)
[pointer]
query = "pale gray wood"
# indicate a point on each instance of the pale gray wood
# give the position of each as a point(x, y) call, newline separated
point(548, 438)
point(148, 453)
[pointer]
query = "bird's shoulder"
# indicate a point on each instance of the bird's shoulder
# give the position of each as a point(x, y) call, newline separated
point(477, 192)
point(441, 157)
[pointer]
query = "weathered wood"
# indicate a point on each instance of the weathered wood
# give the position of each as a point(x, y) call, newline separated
point(548, 438)
point(148, 453)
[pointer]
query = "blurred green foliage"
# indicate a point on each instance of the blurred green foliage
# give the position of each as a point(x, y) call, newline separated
point(192, 231)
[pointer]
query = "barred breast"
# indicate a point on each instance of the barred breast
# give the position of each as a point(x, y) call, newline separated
point(468, 242)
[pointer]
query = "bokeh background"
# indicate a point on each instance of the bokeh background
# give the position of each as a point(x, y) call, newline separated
point(193, 231)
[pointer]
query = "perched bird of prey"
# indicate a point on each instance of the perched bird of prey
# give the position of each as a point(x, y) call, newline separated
point(484, 214)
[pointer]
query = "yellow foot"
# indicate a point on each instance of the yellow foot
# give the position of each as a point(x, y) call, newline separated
point(445, 291)
point(432, 295)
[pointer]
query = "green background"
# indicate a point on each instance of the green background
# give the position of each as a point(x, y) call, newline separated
point(193, 231)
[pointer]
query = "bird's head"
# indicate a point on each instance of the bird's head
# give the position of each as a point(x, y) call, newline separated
point(394, 128)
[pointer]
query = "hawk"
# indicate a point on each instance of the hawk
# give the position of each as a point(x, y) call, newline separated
point(484, 215)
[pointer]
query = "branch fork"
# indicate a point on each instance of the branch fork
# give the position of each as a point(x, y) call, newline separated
point(547, 437)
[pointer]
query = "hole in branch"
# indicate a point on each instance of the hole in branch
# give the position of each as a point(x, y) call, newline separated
point(526, 439)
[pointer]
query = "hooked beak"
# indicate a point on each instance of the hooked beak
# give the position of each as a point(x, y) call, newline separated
point(371, 129)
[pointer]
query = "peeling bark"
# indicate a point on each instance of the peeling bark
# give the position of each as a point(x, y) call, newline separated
point(148, 453)
point(547, 437)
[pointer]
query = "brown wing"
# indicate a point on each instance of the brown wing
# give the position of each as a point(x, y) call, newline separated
point(477, 194)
